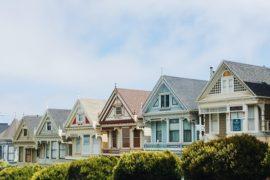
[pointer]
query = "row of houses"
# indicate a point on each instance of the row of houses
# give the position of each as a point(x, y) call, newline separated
point(177, 112)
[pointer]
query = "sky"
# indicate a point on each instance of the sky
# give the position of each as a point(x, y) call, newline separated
point(53, 51)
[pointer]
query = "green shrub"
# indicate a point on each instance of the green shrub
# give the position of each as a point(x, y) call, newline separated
point(21, 173)
point(237, 157)
point(147, 165)
point(53, 172)
point(99, 167)
point(3, 165)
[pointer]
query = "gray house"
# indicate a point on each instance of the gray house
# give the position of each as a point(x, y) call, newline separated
point(49, 136)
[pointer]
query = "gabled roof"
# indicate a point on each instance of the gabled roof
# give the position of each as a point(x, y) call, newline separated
point(257, 78)
point(134, 99)
point(10, 131)
point(3, 126)
point(186, 90)
point(59, 116)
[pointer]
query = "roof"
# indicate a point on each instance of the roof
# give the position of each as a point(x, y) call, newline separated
point(3, 126)
point(134, 99)
point(59, 116)
point(92, 107)
point(10, 131)
point(257, 78)
point(31, 121)
point(187, 90)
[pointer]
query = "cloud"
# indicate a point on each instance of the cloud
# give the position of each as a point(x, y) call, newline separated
point(53, 51)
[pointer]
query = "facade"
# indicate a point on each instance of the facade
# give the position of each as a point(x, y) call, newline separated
point(171, 113)
point(121, 121)
point(8, 152)
point(49, 133)
point(236, 100)
point(81, 134)
point(24, 139)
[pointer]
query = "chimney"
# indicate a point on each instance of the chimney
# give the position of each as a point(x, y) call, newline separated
point(211, 71)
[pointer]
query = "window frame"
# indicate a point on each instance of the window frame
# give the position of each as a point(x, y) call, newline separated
point(25, 132)
point(126, 139)
point(187, 130)
point(54, 149)
point(174, 131)
point(166, 101)
point(117, 110)
point(49, 122)
point(160, 131)
point(211, 120)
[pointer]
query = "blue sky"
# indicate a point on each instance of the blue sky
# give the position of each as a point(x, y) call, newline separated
point(52, 52)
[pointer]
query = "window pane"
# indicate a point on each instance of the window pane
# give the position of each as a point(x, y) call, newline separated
point(214, 123)
point(162, 101)
point(125, 135)
point(187, 135)
point(158, 131)
point(167, 100)
point(136, 134)
point(114, 139)
point(251, 115)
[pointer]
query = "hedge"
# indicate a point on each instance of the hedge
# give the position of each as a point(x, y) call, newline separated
point(22, 173)
point(147, 165)
point(3, 165)
point(94, 168)
point(53, 172)
point(237, 157)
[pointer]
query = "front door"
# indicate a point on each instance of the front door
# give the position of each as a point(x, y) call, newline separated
point(28, 155)
point(137, 138)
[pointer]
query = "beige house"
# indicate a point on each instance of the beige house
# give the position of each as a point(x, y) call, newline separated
point(24, 139)
point(236, 100)
point(121, 121)
point(49, 133)
point(81, 134)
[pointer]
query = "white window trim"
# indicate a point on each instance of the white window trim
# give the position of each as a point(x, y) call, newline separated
point(210, 127)
point(228, 90)
point(170, 101)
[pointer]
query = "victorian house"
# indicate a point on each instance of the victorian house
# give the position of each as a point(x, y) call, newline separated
point(81, 134)
point(24, 139)
point(49, 134)
point(8, 152)
point(236, 100)
point(121, 121)
point(171, 112)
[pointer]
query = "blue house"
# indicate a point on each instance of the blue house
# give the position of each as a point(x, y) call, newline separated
point(171, 112)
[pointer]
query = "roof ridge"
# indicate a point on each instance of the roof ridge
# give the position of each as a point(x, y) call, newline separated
point(184, 78)
point(132, 89)
point(246, 64)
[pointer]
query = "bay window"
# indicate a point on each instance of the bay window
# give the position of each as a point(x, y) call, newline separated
point(174, 130)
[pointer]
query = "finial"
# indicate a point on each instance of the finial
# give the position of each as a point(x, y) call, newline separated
point(115, 85)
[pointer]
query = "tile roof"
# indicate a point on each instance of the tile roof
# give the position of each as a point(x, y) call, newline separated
point(10, 131)
point(187, 90)
point(257, 78)
point(134, 99)
point(3, 126)
point(92, 108)
point(59, 116)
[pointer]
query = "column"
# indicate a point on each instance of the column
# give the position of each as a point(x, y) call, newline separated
point(256, 119)
point(263, 125)
point(245, 120)
point(200, 127)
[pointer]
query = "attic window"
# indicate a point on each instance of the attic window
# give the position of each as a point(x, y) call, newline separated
point(24, 132)
point(80, 118)
point(49, 126)
point(118, 110)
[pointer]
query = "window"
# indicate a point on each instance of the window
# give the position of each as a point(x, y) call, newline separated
point(236, 121)
point(54, 149)
point(174, 130)
point(86, 144)
point(48, 150)
point(187, 131)
point(198, 135)
point(165, 101)
point(137, 139)
point(174, 102)
point(251, 118)
point(78, 145)
point(125, 136)
point(158, 131)
point(24, 132)
point(80, 118)
point(49, 126)
point(114, 139)
point(118, 110)
point(214, 124)
point(156, 104)
point(227, 82)
point(62, 151)
point(11, 153)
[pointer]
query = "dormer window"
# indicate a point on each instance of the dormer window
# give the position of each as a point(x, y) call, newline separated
point(24, 132)
point(118, 110)
point(49, 126)
point(165, 101)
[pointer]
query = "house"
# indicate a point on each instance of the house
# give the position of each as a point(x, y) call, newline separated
point(171, 112)
point(121, 121)
point(24, 139)
point(81, 133)
point(236, 100)
point(7, 150)
point(49, 136)
point(3, 126)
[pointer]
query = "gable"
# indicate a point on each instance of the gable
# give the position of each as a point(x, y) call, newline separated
point(225, 83)
point(78, 117)
point(154, 104)
point(20, 136)
point(42, 130)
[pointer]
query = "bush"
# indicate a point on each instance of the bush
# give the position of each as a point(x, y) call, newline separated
point(237, 157)
point(3, 165)
point(21, 173)
point(99, 167)
point(147, 165)
point(53, 172)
